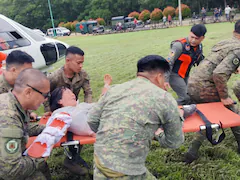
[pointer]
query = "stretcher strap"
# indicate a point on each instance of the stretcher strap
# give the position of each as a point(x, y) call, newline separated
point(209, 129)
point(75, 153)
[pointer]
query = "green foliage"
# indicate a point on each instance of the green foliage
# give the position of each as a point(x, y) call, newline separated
point(220, 162)
point(101, 21)
point(186, 11)
point(156, 15)
point(35, 13)
point(169, 10)
point(134, 14)
point(68, 25)
point(144, 15)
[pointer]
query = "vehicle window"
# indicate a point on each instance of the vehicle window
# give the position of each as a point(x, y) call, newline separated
point(49, 53)
point(10, 38)
point(61, 49)
point(31, 33)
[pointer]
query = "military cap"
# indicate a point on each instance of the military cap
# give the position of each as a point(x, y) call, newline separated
point(199, 30)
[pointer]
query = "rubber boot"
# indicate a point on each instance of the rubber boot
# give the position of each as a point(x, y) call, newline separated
point(192, 153)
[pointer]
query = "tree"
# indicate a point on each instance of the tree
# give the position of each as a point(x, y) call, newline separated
point(169, 10)
point(145, 15)
point(186, 11)
point(134, 15)
point(156, 14)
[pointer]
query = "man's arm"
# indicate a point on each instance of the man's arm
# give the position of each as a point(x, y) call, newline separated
point(172, 135)
point(87, 88)
point(223, 72)
point(13, 165)
point(175, 52)
point(34, 129)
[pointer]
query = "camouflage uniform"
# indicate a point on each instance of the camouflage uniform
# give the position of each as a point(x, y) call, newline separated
point(208, 82)
point(125, 120)
point(14, 132)
point(236, 89)
point(4, 86)
point(80, 80)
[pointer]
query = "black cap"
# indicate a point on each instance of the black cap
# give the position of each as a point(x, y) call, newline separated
point(153, 62)
point(199, 30)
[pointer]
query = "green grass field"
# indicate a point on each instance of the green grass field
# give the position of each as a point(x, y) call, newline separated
point(117, 55)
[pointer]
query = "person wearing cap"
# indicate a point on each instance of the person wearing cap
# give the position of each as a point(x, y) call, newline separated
point(208, 83)
point(127, 118)
point(184, 54)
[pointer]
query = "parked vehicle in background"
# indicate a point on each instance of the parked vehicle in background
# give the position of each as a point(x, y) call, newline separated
point(122, 23)
point(140, 24)
point(86, 27)
point(60, 31)
point(98, 29)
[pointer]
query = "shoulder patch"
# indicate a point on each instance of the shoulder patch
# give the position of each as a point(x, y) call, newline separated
point(187, 47)
point(11, 146)
point(236, 61)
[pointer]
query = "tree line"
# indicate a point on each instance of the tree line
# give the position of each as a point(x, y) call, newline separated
point(35, 13)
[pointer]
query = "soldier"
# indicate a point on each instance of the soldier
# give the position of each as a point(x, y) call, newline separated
point(208, 83)
point(126, 119)
point(72, 76)
point(30, 90)
point(16, 61)
point(184, 54)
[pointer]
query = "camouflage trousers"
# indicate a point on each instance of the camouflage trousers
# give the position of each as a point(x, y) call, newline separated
point(99, 176)
point(42, 173)
point(37, 175)
point(236, 89)
point(198, 95)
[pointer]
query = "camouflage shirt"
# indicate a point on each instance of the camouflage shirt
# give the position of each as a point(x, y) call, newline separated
point(217, 68)
point(79, 81)
point(4, 85)
point(125, 120)
point(14, 132)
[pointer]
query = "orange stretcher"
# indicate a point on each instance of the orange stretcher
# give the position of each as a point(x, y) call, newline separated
point(214, 112)
point(82, 139)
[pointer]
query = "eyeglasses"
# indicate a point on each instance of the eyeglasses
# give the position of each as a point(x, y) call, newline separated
point(45, 95)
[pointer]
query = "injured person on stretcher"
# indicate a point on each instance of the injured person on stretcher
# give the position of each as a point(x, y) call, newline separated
point(63, 100)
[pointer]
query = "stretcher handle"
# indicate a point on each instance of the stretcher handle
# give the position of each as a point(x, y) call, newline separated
point(213, 126)
point(70, 143)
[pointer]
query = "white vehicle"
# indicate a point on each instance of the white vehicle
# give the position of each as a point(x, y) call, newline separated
point(14, 36)
point(60, 31)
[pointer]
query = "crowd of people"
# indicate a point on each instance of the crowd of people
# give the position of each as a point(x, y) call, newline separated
point(218, 13)
point(127, 117)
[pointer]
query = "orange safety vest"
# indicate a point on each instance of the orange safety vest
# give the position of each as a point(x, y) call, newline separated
point(2, 58)
point(190, 56)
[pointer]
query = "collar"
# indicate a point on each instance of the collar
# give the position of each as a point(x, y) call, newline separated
point(19, 107)
point(5, 82)
point(75, 78)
